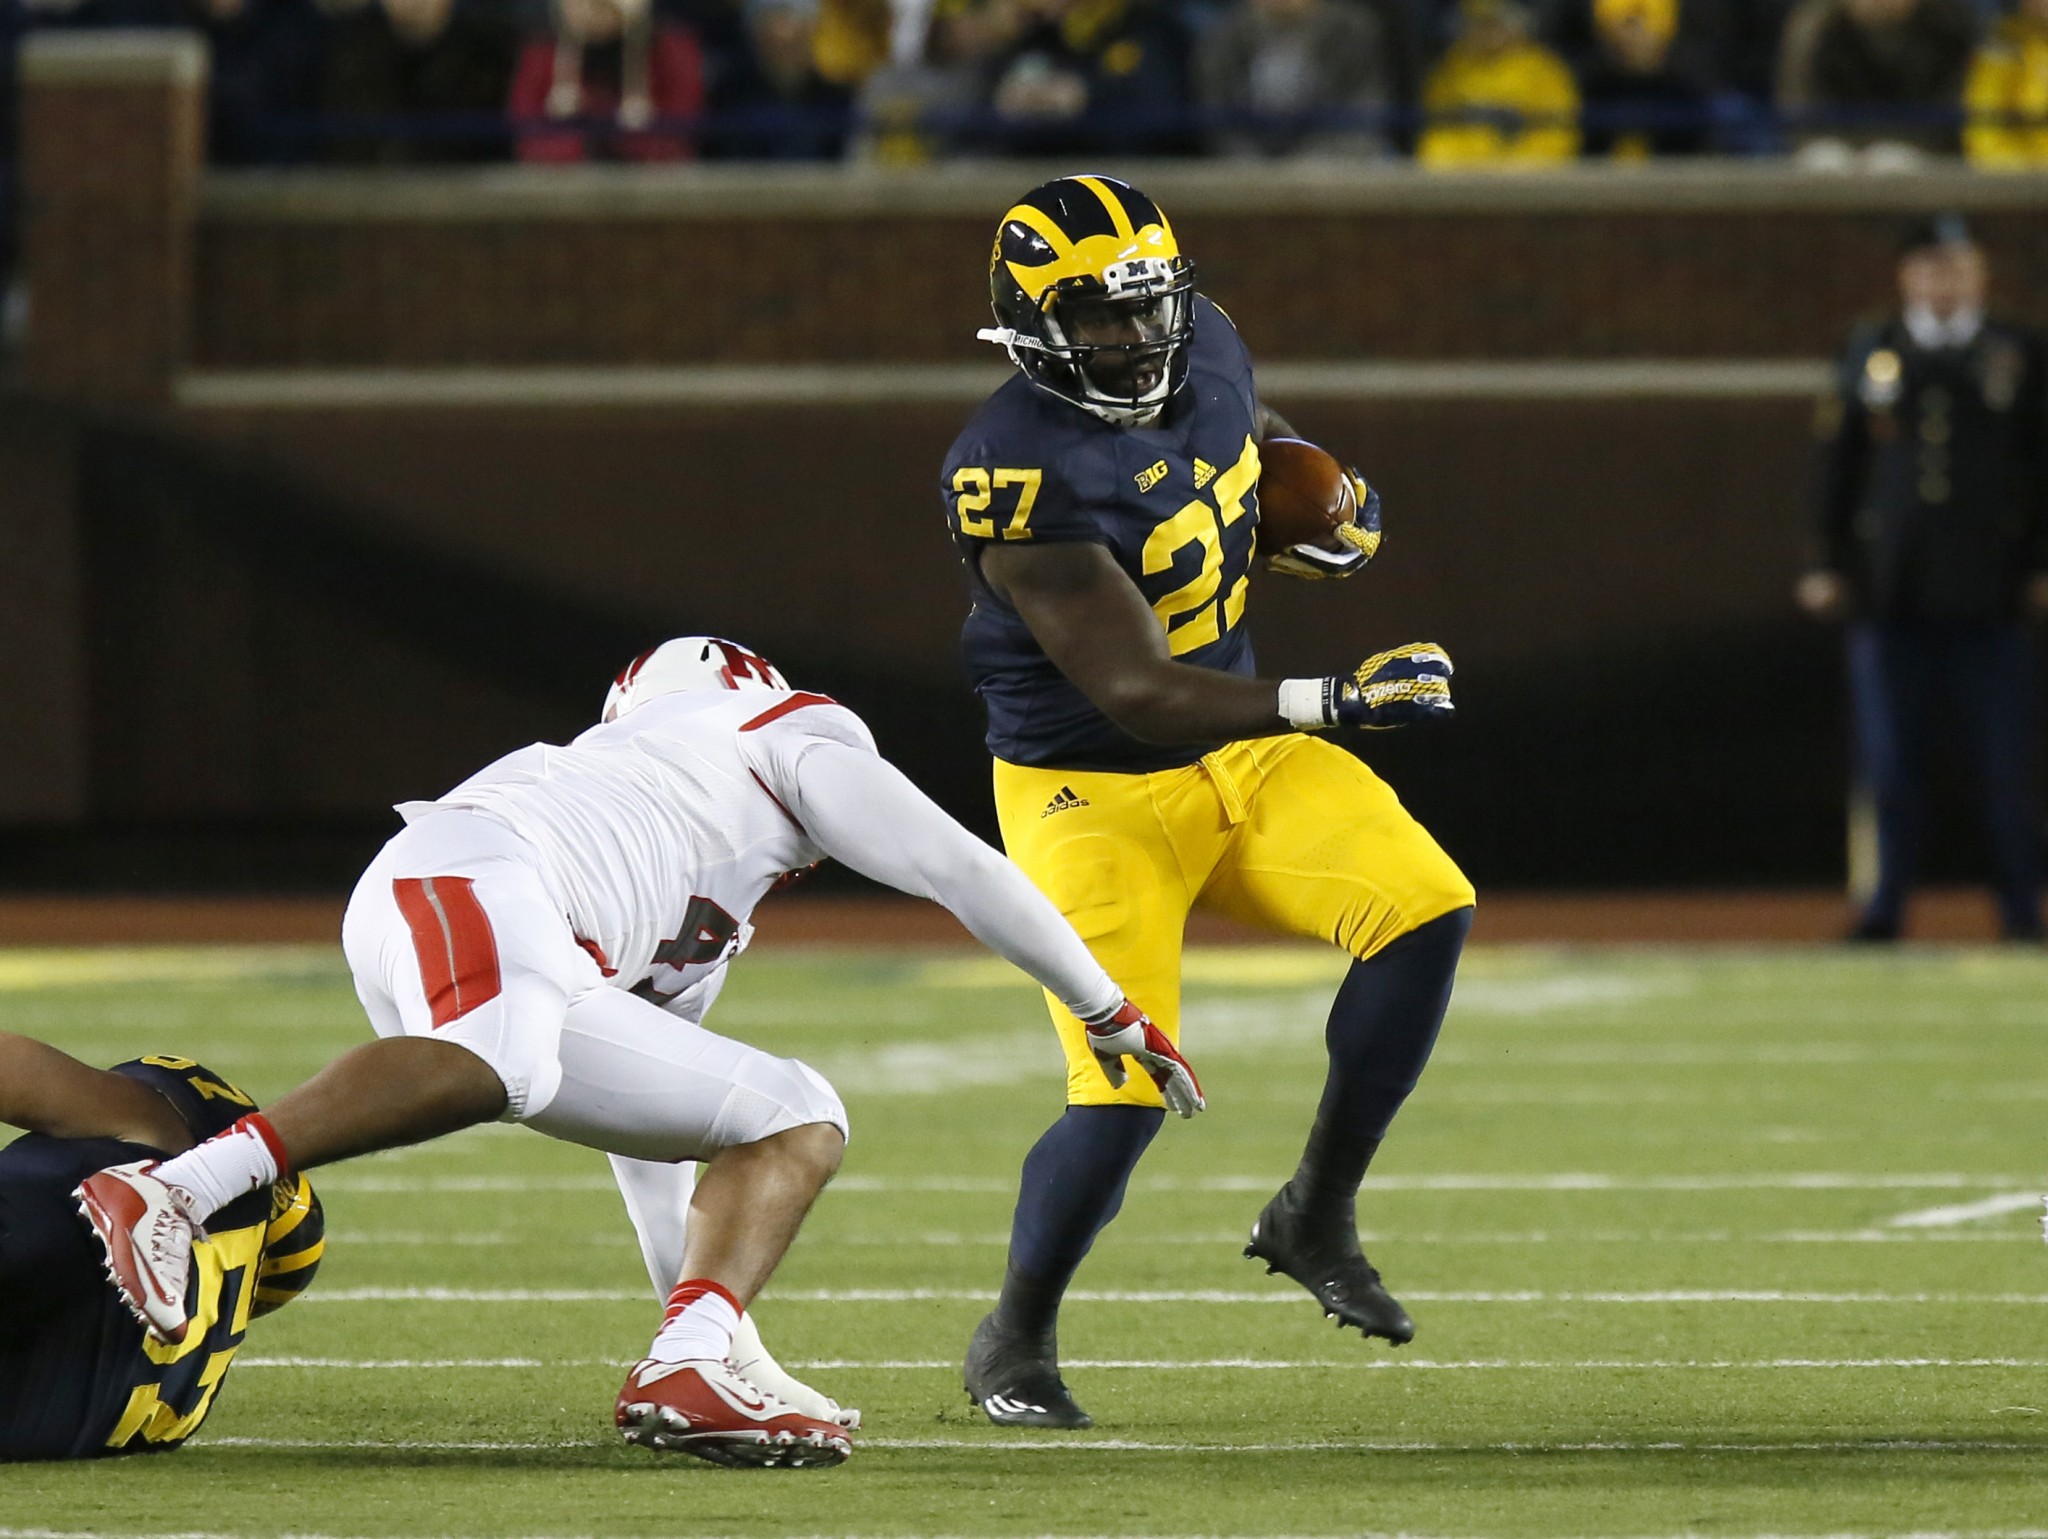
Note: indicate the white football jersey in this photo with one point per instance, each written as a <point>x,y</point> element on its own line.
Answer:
<point>659,832</point>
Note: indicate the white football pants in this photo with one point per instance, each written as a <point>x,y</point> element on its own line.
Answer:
<point>452,934</point>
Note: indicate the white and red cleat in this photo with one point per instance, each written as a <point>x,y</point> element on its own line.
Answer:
<point>148,1240</point>
<point>705,1408</point>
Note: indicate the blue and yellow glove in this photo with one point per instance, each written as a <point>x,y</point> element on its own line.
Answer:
<point>1389,689</point>
<point>1360,536</point>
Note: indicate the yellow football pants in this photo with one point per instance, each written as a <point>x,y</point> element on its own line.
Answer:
<point>1288,833</point>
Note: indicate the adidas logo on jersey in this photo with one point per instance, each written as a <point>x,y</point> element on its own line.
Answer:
<point>1066,801</point>
<point>1204,474</point>
<point>1151,475</point>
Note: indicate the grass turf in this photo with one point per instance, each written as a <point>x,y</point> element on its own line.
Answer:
<point>1717,1243</point>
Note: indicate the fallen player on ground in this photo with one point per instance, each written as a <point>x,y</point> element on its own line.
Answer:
<point>77,1378</point>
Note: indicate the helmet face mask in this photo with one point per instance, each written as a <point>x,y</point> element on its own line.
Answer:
<point>1120,352</point>
<point>1094,298</point>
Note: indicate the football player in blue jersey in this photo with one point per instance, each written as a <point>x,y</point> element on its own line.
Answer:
<point>1105,501</point>
<point>78,1376</point>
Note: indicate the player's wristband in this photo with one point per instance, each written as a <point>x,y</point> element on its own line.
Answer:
<point>1308,703</point>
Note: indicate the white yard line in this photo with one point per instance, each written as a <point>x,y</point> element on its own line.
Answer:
<point>72,1533</point>
<point>1183,1365</point>
<point>416,1185</point>
<point>1126,1445</point>
<point>1899,1237</point>
<point>1168,1296</point>
<point>1474,1365</point>
<point>1563,1182</point>
<point>997,1239</point>
<point>1058,1444</point>
<point>1426,1296</point>
<point>479,1295</point>
<point>429,1364</point>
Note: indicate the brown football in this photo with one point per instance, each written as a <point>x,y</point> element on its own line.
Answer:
<point>1303,495</point>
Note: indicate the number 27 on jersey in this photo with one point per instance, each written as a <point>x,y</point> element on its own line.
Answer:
<point>976,489</point>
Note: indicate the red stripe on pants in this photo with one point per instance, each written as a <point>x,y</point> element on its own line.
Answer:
<point>451,936</point>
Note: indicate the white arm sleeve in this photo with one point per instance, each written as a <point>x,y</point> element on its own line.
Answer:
<point>860,809</point>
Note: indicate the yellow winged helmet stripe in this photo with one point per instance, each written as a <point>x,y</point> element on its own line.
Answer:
<point>1090,256</point>
<point>290,1205</point>
<point>278,1266</point>
<point>1110,201</point>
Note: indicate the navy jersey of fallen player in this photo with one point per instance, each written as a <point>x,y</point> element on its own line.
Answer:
<point>77,1375</point>
<point>1176,504</point>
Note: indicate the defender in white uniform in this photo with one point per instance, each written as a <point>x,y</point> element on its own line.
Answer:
<point>541,944</point>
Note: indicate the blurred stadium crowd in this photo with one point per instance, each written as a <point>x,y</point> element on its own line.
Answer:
<point>1453,83</point>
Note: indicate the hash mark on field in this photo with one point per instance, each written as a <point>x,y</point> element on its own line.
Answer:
<point>1967,1212</point>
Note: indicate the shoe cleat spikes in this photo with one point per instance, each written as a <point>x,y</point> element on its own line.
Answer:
<point>1325,1259</point>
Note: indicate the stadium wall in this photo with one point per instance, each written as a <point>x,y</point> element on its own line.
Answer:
<point>389,473</point>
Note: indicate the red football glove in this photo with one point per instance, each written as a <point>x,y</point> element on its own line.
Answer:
<point>1130,1034</point>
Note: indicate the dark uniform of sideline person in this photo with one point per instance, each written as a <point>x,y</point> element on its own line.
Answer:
<point>78,1377</point>
<point>1933,532</point>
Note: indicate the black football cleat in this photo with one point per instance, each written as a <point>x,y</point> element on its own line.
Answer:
<point>1328,1262</point>
<point>1015,1379</point>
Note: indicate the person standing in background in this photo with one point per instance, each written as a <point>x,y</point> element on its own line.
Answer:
<point>1878,81</point>
<point>609,83</point>
<point>1296,77</point>
<point>1497,98</point>
<point>2007,94</point>
<point>394,58</point>
<point>771,102</point>
<point>1638,99</point>
<point>1932,514</point>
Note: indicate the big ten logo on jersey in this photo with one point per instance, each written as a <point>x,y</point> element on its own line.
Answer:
<point>1197,612</point>
<point>707,937</point>
<point>975,489</point>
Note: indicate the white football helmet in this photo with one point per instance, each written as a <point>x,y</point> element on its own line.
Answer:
<point>689,662</point>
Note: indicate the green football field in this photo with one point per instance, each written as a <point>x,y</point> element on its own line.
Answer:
<point>1699,1243</point>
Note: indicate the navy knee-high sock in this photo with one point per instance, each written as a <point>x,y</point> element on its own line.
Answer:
<point>1074,1180</point>
<point>1382,1026</point>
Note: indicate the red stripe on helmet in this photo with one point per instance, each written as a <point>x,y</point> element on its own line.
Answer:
<point>742,664</point>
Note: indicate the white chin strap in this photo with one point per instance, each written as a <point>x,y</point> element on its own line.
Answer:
<point>1138,414</point>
